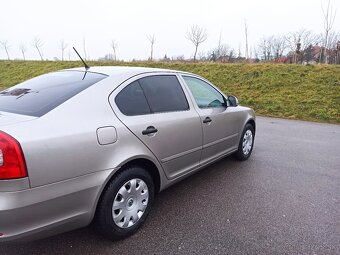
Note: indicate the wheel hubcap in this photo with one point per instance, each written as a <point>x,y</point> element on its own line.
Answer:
<point>247,142</point>
<point>130,203</point>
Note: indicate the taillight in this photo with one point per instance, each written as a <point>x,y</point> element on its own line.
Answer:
<point>12,162</point>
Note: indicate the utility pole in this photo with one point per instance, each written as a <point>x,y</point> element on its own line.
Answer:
<point>246,33</point>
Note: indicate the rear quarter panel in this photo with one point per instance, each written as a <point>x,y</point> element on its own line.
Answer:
<point>63,143</point>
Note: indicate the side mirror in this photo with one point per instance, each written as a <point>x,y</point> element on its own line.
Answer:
<point>233,101</point>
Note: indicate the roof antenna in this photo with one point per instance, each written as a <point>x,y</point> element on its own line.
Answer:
<point>86,66</point>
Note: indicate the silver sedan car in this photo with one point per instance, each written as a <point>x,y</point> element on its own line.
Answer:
<point>80,146</point>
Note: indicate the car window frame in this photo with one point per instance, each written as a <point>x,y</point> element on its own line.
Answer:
<point>112,97</point>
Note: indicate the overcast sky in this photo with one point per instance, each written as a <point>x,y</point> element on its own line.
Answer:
<point>130,21</point>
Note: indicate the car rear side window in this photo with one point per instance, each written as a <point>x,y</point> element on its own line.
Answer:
<point>42,94</point>
<point>164,93</point>
<point>131,100</point>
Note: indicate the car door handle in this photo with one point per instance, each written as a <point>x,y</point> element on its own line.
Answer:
<point>207,120</point>
<point>149,130</point>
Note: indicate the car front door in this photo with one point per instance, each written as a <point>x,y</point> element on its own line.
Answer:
<point>219,122</point>
<point>155,108</point>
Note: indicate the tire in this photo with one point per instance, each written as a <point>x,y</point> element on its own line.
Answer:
<point>125,203</point>
<point>246,144</point>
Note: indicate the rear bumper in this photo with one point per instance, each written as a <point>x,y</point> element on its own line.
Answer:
<point>50,209</point>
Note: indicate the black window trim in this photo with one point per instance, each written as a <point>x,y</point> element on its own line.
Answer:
<point>146,99</point>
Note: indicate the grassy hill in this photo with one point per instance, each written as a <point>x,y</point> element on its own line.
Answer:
<point>291,91</point>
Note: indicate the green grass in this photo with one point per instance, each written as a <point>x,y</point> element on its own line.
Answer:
<point>290,91</point>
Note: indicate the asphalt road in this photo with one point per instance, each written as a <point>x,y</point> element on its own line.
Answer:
<point>284,200</point>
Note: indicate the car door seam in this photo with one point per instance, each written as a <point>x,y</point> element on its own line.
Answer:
<point>181,154</point>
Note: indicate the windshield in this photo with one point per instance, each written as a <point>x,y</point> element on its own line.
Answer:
<point>42,94</point>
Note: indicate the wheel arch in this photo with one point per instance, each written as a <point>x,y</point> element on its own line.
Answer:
<point>148,165</point>
<point>252,122</point>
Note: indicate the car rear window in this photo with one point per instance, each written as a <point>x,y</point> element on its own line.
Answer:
<point>42,94</point>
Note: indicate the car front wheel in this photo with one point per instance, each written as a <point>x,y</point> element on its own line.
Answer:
<point>246,143</point>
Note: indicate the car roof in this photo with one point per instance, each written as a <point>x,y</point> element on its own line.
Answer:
<point>123,70</point>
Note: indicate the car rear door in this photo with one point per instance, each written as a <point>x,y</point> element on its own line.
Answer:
<point>156,110</point>
<point>221,124</point>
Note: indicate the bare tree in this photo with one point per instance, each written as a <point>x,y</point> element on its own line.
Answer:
<point>179,58</point>
<point>220,53</point>
<point>152,41</point>
<point>334,47</point>
<point>202,56</point>
<point>246,34</point>
<point>300,45</point>
<point>265,48</point>
<point>333,39</point>
<point>305,37</point>
<point>196,35</point>
<point>23,50</point>
<point>271,47</point>
<point>37,44</point>
<point>5,46</point>
<point>63,47</point>
<point>329,18</point>
<point>224,50</point>
<point>279,45</point>
<point>231,55</point>
<point>239,54</point>
<point>114,46</point>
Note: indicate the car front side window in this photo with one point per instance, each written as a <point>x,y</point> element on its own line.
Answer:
<point>205,95</point>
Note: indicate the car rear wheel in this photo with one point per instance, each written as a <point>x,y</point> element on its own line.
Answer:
<point>246,143</point>
<point>125,203</point>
